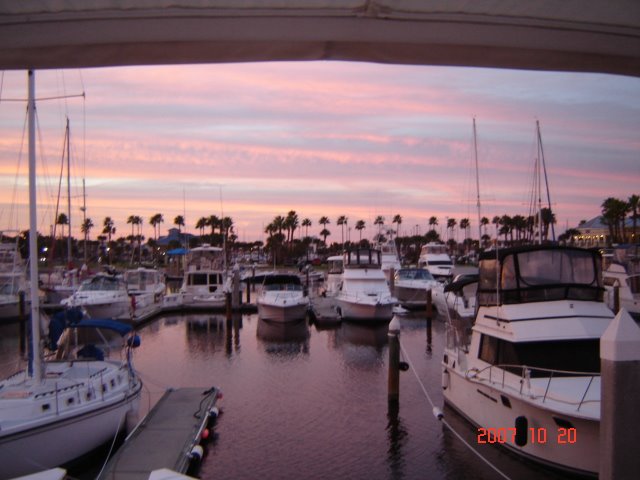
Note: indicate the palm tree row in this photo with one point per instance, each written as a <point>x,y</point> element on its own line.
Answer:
<point>615,213</point>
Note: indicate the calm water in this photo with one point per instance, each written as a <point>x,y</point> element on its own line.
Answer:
<point>306,402</point>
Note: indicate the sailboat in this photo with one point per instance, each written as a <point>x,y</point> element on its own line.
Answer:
<point>55,411</point>
<point>65,281</point>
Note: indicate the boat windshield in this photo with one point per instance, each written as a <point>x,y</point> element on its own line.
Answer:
<point>414,274</point>
<point>100,283</point>
<point>542,274</point>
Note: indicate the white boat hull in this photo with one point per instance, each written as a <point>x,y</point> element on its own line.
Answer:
<point>411,296</point>
<point>282,313</point>
<point>364,309</point>
<point>58,438</point>
<point>494,413</point>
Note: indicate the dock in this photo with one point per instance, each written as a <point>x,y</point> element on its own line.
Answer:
<point>168,437</point>
<point>323,310</point>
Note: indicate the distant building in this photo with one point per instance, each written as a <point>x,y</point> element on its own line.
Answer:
<point>175,236</point>
<point>595,233</point>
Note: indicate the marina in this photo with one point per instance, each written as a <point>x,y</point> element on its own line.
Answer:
<point>310,398</point>
<point>367,348</point>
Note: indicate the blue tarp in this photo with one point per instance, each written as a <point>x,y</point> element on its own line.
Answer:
<point>177,251</point>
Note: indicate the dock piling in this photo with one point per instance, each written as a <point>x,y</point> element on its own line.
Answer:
<point>429,319</point>
<point>394,363</point>
<point>620,389</point>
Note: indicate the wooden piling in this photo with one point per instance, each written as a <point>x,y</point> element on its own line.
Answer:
<point>620,390</point>
<point>616,298</point>
<point>429,318</point>
<point>228,305</point>
<point>393,394</point>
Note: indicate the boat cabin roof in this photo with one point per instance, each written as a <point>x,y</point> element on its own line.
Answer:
<point>539,273</point>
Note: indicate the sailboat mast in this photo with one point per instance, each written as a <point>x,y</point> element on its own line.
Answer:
<point>36,371</point>
<point>475,148</point>
<point>538,180</point>
<point>68,196</point>
<point>546,180</point>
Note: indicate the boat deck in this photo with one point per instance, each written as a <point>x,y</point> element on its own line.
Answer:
<point>166,436</point>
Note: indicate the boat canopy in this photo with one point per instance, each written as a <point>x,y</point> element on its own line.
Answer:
<point>539,273</point>
<point>73,318</point>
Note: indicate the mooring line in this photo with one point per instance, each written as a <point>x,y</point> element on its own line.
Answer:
<point>440,417</point>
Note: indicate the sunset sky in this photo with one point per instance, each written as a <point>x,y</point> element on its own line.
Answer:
<point>252,141</point>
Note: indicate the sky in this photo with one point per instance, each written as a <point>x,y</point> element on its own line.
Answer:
<point>256,140</point>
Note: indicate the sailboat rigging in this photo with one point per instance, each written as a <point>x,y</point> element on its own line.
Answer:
<point>56,411</point>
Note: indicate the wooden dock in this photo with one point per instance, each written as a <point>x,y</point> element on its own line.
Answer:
<point>166,437</point>
<point>323,310</point>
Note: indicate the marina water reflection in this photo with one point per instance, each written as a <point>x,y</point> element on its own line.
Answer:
<point>306,401</point>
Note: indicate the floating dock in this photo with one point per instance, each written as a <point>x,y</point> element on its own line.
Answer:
<point>323,310</point>
<point>168,437</point>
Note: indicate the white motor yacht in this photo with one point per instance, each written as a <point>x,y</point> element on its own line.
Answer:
<point>146,288</point>
<point>205,282</point>
<point>282,298</point>
<point>102,296</point>
<point>411,287</point>
<point>364,292</point>
<point>527,371</point>
<point>434,257</point>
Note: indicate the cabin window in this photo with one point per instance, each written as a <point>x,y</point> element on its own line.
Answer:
<point>198,279</point>
<point>565,355</point>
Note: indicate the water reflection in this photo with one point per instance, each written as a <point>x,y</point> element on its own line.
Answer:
<point>288,338</point>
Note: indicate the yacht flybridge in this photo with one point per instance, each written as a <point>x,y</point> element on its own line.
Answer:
<point>527,371</point>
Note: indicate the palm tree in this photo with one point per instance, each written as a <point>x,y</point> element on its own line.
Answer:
<point>360,225</point>
<point>291,223</point>
<point>324,221</point>
<point>634,205</point>
<point>342,221</point>
<point>548,218</point>
<point>306,223</point>
<point>614,212</point>
<point>324,234</point>
<point>464,225</point>
<point>451,225</point>
<point>201,224</point>
<point>108,229</point>
<point>179,221</point>
<point>132,220</point>
<point>155,221</point>
<point>433,222</point>
<point>62,220</point>
<point>397,219</point>
<point>213,221</point>
<point>85,228</point>
<point>484,221</point>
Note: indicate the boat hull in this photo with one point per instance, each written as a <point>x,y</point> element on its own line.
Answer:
<point>494,412</point>
<point>65,437</point>
<point>411,297</point>
<point>365,311</point>
<point>282,313</point>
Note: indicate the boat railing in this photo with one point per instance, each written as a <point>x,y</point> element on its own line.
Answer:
<point>526,375</point>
